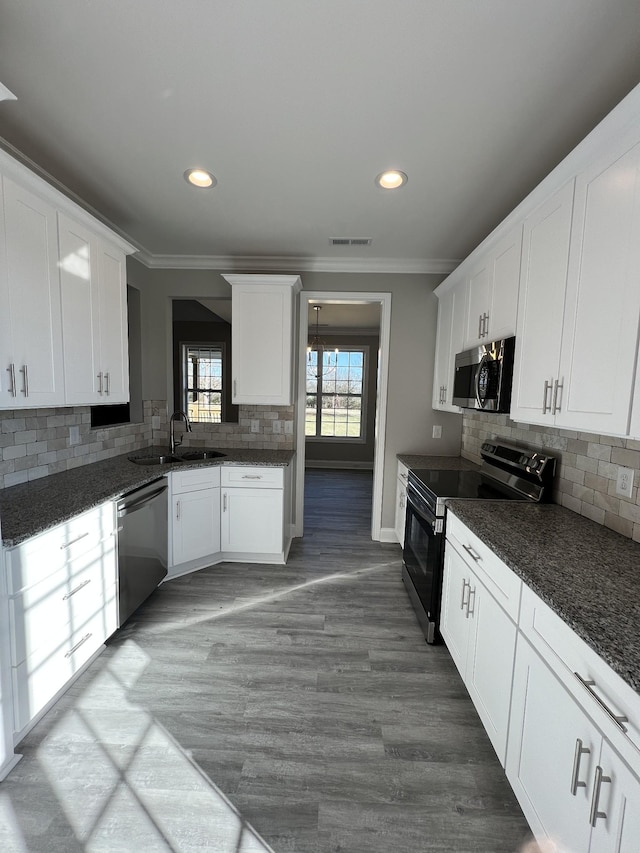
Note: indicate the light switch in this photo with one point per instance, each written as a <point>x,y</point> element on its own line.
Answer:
<point>437,431</point>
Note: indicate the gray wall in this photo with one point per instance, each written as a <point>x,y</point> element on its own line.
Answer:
<point>414,310</point>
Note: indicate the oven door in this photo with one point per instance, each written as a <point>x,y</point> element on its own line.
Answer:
<point>423,557</point>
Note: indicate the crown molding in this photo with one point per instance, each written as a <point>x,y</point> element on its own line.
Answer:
<point>286,263</point>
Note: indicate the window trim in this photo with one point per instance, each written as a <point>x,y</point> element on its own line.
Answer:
<point>184,380</point>
<point>344,439</point>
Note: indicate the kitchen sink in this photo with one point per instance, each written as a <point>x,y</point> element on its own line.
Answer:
<point>155,459</point>
<point>194,455</point>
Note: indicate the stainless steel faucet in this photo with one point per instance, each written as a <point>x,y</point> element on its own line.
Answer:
<point>176,416</point>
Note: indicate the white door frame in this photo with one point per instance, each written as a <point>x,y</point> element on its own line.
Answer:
<point>342,298</point>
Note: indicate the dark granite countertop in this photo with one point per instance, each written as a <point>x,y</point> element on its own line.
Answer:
<point>32,508</point>
<point>437,463</point>
<point>589,575</point>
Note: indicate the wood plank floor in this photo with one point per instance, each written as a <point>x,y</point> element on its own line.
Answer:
<point>255,708</point>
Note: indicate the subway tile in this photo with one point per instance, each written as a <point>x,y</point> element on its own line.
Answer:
<point>587,464</point>
<point>599,451</point>
<point>15,451</point>
<point>16,478</point>
<point>593,512</point>
<point>570,502</point>
<point>627,458</point>
<point>630,511</point>
<point>609,503</point>
<point>620,525</point>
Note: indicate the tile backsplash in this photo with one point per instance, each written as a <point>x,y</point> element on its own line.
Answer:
<point>37,442</point>
<point>588,466</point>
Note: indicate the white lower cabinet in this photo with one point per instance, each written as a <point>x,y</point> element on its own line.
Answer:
<point>253,514</point>
<point>62,604</point>
<point>480,601</point>
<point>572,786</point>
<point>195,510</point>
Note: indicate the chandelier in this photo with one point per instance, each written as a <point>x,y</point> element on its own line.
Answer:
<point>318,346</point>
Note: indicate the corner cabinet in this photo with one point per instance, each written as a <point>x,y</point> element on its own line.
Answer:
<point>262,343</point>
<point>63,321</point>
<point>195,513</point>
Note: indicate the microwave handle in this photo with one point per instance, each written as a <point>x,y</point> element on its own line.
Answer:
<point>481,403</point>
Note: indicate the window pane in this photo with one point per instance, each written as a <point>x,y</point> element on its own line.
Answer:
<point>338,376</point>
<point>203,378</point>
<point>310,415</point>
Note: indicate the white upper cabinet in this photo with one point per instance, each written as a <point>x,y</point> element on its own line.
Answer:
<point>580,301</point>
<point>262,341</point>
<point>543,280</point>
<point>63,321</point>
<point>602,306</point>
<point>449,341</point>
<point>31,373</point>
<point>94,317</point>
<point>492,287</point>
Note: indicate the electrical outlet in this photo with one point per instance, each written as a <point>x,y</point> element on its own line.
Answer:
<point>74,435</point>
<point>288,427</point>
<point>255,426</point>
<point>437,431</point>
<point>155,421</point>
<point>277,427</point>
<point>624,482</point>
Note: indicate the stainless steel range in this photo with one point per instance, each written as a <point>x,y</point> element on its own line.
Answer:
<point>506,473</point>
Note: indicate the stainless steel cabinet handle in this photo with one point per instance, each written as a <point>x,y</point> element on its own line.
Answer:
<point>107,381</point>
<point>77,589</point>
<point>594,814</point>
<point>476,557</point>
<point>580,751</point>
<point>100,383</point>
<point>588,684</point>
<point>463,599</point>
<point>224,502</point>
<point>25,372</point>
<point>547,385</point>
<point>178,510</point>
<point>480,318</point>
<point>252,476</point>
<point>471,603</point>
<point>78,644</point>
<point>73,541</point>
<point>235,387</point>
<point>12,374</point>
<point>557,386</point>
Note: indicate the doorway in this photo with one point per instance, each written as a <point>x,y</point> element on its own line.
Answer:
<point>336,299</point>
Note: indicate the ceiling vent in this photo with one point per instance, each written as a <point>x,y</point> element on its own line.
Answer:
<point>346,241</point>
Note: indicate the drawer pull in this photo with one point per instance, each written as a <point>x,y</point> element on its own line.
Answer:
<point>73,541</point>
<point>618,719</point>
<point>463,600</point>
<point>577,756</point>
<point>12,374</point>
<point>252,476</point>
<point>78,644</point>
<point>595,800</point>
<point>77,589</point>
<point>471,602</point>
<point>476,557</point>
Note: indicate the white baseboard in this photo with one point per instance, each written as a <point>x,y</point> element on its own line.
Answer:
<point>388,534</point>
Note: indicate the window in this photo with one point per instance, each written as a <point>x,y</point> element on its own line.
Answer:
<point>202,376</point>
<point>336,379</point>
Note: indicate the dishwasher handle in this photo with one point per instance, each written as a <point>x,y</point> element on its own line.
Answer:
<point>125,508</point>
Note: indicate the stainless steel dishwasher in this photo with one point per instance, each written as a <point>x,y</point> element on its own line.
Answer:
<point>142,545</point>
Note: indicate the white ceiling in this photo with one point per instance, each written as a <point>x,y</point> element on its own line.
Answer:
<point>296,105</point>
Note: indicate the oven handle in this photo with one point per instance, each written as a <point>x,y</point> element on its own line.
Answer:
<point>422,512</point>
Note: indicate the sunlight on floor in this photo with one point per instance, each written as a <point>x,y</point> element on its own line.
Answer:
<point>124,783</point>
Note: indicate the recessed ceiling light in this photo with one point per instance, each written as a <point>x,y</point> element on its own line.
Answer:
<point>391,179</point>
<point>200,178</point>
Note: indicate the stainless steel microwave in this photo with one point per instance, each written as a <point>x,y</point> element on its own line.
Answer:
<point>483,377</point>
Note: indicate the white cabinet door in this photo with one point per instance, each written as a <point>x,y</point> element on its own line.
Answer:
<point>80,311</point>
<point>262,341</point>
<point>552,754</point>
<point>454,621</point>
<point>617,824</point>
<point>543,280</point>
<point>252,520</point>
<point>602,308</point>
<point>449,341</point>
<point>492,287</point>
<point>114,339</point>
<point>196,525</point>
<point>31,298</point>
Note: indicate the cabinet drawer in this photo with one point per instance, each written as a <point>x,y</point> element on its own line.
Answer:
<point>45,554</point>
<point>502,583</point>
<point>47,612</point>
<point>37,679</point>
<point>253,477</point>
<point>196,478</point>
<point>576,663</point>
